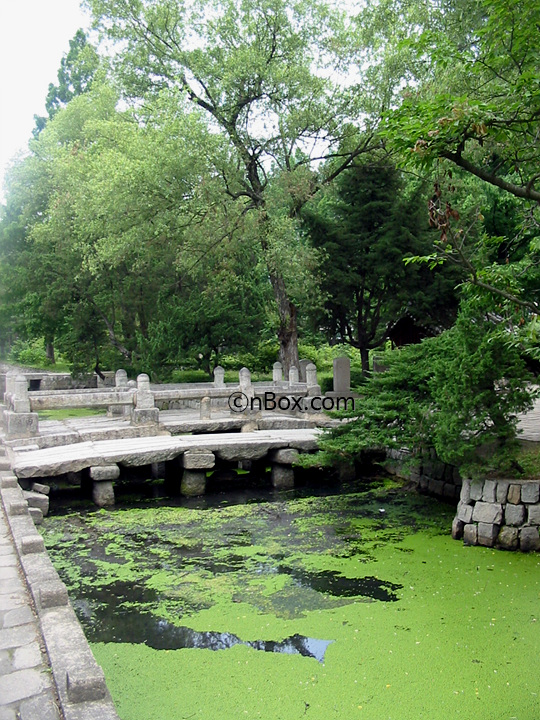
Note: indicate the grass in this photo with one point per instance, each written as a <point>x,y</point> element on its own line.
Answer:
<point>529,459</point>
<point>66,413</point>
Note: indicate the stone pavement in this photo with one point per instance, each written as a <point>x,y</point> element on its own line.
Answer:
<point>529,424</point>
<point>26,686</point>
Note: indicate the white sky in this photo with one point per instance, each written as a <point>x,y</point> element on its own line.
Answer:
<point>34,34</point>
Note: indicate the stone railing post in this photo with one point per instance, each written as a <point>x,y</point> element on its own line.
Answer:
<point>21,401</point>
<point>294,377</point>
<point>244,377</point>
<point>219,377</point>
<point>121,379</point>
<point>247,389</point>
<point>277,372</point>
<point>144,412</point>
<point>313,387</point>
<point>20,421</point>
<point>120,383</point>
<point>205,410</point>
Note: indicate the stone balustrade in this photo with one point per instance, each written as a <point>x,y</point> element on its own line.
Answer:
<point>140,402</point>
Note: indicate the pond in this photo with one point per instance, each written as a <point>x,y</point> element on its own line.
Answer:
<point>350,603</point>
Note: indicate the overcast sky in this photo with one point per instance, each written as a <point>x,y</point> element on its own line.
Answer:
<point>34,34</point>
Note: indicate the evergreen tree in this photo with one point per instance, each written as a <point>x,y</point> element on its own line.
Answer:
<point>366,230</point>
<point>75,75</point>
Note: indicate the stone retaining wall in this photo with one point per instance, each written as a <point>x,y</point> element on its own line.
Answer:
<point>499,513</point>
<point>79,680</point>
<point>430,475</point>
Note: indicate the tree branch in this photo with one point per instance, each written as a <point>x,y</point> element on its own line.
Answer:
<point>527,192</point>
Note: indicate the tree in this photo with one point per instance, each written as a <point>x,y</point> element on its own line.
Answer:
<point>467,112</point>
<point>129,237</point>
<point>485,117</point>
<point>366,228</point>
<point>458,393</point>
<point>77,71</point>
<point>258,71</point>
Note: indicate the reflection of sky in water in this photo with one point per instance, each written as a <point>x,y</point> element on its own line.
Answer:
<point>105,623</point>
<point>294,645</point>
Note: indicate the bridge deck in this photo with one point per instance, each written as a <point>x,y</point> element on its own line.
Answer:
<point>159,448</point>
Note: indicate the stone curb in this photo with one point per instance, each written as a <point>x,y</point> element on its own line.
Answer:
<point>79,680</point>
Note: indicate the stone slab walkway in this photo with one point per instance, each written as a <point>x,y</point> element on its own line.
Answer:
<point>26,687</point>
<point>146,450</point>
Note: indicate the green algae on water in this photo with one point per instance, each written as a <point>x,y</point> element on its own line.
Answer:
<point>457,638</point>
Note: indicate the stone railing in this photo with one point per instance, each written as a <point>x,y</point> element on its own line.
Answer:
<point>170,397</point>
<point>139,402</point>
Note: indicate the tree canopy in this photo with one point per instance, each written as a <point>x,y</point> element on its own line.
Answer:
<point>219,170</point>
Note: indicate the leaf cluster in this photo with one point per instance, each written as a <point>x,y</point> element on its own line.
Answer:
<point>458,393</point>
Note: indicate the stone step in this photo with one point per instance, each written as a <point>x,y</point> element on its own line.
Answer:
<point>37,500</point>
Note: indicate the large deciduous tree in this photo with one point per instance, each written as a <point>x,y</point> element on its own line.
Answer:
<point>260,73</point>
<point>97,237</point>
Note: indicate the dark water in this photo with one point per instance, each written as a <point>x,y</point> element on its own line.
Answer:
<point>108,623</point>
<point>339,586</point>
<point>92,547</point>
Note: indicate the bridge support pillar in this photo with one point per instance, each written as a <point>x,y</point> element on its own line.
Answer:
<point>282,477</point>
<point>102,487</point>
<point>195,464</point>
<point>282,471</point>
<point>193,483</point>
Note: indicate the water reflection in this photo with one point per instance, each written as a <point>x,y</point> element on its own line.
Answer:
<point>295,645</point>
<point>105,624</point>
<point>338,585</point>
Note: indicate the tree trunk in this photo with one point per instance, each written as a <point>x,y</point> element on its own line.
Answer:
<point>288,343</point>
<point>364,356</point>
<point>288,327</point>
<point>49,350</point>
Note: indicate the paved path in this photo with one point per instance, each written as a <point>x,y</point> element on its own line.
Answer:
<point>26,688</point>
<point>529,424</point>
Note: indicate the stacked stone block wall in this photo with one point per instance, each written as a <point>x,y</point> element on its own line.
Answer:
<point>430,475</point>
<point>499,513</point>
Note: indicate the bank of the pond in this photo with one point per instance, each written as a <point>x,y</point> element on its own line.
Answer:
<point>420,626</point>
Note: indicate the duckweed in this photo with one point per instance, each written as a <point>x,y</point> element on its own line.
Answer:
<point>421,626</point>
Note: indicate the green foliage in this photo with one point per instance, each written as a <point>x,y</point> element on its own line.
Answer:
<point>29,353</point>
<point>479,109</point>
<point>528,460</point>
<point>323,354</point>
<point>190,376</point>
<point>457,393</point>
<point>366,229</point>
<point>259,360</point>
<point>77,71</point>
